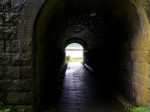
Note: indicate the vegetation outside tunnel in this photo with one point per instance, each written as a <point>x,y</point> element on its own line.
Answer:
<point>74,53</point>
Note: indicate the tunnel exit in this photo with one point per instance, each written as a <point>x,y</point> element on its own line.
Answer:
<point>74,53</point>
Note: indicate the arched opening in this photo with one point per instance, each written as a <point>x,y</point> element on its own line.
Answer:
<point>74,53</point>
<point>114,35</point>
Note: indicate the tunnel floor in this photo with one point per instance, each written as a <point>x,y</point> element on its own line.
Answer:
<point>83,92</point>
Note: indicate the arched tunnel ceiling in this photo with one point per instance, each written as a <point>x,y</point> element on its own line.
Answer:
<point>113,31</point>
<point>94,21</point>
<point>76,40</point>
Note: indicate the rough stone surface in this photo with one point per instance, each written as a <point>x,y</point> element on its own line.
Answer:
<point>2,46</point>
<point>149,70</point>
<point>21,85</point>
<point>21,59</point>
<point>12,78</point>
<point>19,98</point>
<point>26,73</point>
<point>12,72</point>
<point>2,73</point>
<point>12,46</point>
<point>16,85</point>
<point>5,85</point>
<point>5,58</point>
<point>2,97</point>
<point>149,83</point>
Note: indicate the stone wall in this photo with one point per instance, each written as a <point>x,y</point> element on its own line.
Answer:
<point>140,57</point>
<point>15,62</point>
<point>135,57</point>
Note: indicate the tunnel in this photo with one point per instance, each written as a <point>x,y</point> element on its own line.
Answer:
<point>114,35</point>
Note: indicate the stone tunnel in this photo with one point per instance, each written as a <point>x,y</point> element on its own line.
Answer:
<point>115,35</point>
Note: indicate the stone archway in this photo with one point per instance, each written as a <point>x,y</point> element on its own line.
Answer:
<point>77,40</point>
<point>134,51</point>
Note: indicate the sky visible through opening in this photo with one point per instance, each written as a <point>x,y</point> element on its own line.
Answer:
<point>74,52</point>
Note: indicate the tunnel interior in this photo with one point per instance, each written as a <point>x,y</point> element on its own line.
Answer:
<point>108,31</point>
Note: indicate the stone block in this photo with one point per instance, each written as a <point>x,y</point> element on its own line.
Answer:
<point>149,96</point>
<point>1,46</point>
<point>148,70</point>
<point>2,19</point>
<point>140,68</point>
<point>1,7</point>
<point>21,85</point>
<point>140,56</point>
<point>12,72</point>
<point>141,43</point>
<point>5,58</point>
<point>17,5</point>
<point>25,45</point>
<point>10,36</point>
<point>2,35</point>
<point>139,79</point>
<point>11,29</point>
<point>140,100</point>
<point>5,85</point>
<point>16,85</point>
<point>142,94</point>
<point>21,59</point>
<point>7,5</point>
<point>25,72</point>
<point>3,28</point>
<point>12,46</point>
<point>16,98</point>
<point>2,72</point>
<point>148,82</point>
<point>7,32</point>
<point>11,19</point>
<point>2,97</point>
<point>11,16</point>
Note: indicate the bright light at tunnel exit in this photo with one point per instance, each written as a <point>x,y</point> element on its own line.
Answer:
<point>74,53</point>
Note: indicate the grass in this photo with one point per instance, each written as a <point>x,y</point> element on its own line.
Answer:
<point>9,110</point>
<point>73,59</point>
<point>136,109</point>
<point>3,108</point>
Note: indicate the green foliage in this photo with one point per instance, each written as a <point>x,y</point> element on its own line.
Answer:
<point>9,110</point>
<point>21,110</point>
<point>136,109</point>
<point>67,58</point>
<point>139,109</point>
<point>52,110</point>
<point>74,59</point>
<point>5,110</point>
